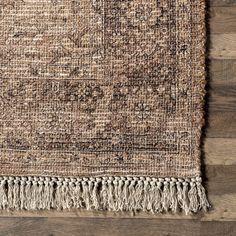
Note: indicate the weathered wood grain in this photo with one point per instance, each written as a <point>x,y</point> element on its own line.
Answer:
<point>221,125</point>
<point>220,151</point>
<point>108,227</point>
<point>221,99</point>
<point>222,20</point>
<point>96,227</point>
<point>222,70</point>
<point>215,229</point>
<point>222,3</point>
<point>222,96</point>
<point>221,179</point>
<point>223,46</point>
<point>223,208</point>
<point>221,87</point>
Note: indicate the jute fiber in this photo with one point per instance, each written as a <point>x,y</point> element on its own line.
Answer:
<point>101,104</point>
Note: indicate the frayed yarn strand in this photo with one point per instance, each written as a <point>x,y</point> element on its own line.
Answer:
<point>3,194</point>
<point>203,202</point>
<point>103,193</point>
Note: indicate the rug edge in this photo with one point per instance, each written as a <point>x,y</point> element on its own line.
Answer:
<point>126,193</point>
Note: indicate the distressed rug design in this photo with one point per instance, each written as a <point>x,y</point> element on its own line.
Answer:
<point>101,104</point>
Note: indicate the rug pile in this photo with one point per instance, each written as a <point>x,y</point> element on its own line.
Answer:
<point>101,104</point>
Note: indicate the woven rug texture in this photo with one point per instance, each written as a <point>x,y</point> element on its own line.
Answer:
<point>101,104</point>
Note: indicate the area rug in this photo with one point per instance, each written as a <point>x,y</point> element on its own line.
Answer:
<point>101,104</point>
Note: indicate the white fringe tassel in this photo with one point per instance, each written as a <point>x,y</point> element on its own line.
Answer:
<point>103,193</point>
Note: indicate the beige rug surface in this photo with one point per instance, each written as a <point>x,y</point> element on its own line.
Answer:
<point>101,104</point>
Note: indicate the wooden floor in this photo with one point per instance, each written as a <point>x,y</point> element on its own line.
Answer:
<point>219,147</point>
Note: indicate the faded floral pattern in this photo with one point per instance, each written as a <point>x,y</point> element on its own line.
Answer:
<point>97,87</point>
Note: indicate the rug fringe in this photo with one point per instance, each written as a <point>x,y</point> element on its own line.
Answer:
<point>103,193</point>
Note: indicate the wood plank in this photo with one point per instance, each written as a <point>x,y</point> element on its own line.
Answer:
<point>221,87</point>
<point>221,125</point>
<point>222,96</point>
<point>220,151</point>
<point>222,3</point>
<point>221,99</point>
<point>222,70</point>
<point>223,46</point>
<point>108,227</point>
<point>221,179</point>
<point>214,229</point>
<point>223,208</point>
<point>98,227</point>
<point>222,20</point>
